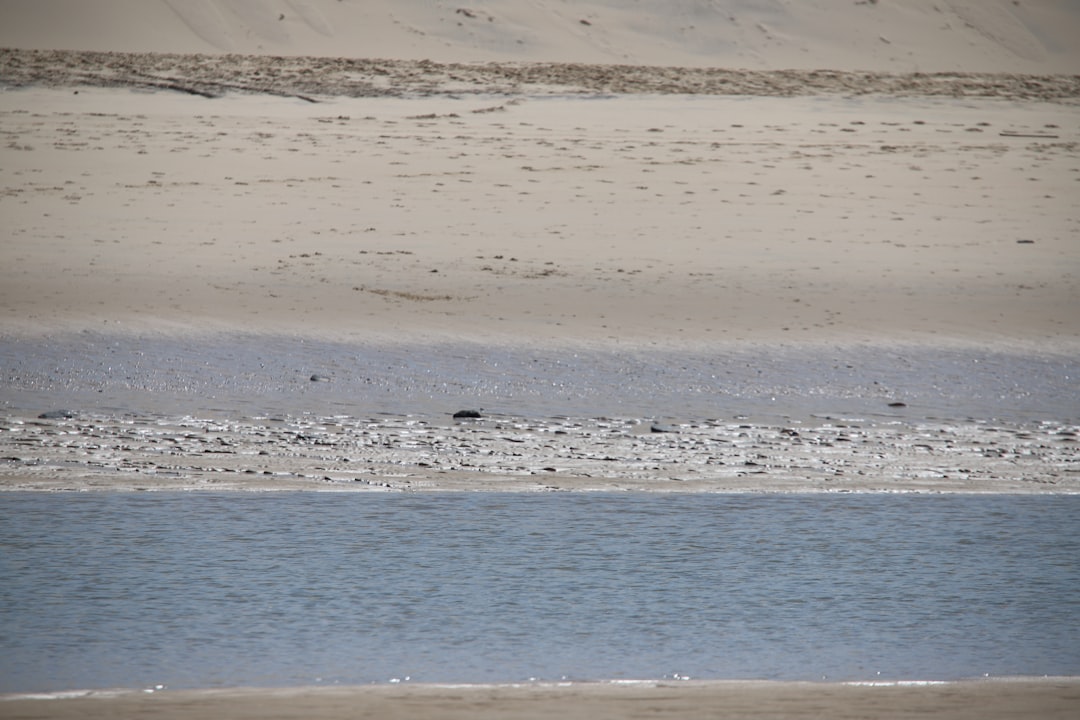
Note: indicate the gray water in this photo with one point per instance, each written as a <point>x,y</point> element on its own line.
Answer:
<point>207,590</point>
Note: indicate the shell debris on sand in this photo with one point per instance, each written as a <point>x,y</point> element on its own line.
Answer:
<point>518,454</point>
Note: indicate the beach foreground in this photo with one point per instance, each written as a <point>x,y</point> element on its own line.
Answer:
<point>868,286</point>
<point>1047,698</point>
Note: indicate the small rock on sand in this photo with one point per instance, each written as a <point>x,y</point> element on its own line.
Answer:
<point>57,415</point>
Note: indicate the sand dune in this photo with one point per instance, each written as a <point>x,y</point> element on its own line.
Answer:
<point>1032,36</point>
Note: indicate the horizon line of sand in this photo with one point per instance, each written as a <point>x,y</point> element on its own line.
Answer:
<point>983,699</point>
<point>307,77</point>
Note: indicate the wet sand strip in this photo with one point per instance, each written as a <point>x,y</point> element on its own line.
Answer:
<point>1045,698</point>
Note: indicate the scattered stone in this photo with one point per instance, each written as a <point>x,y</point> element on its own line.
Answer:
<point>467,414</point>
<point>662,428</point>
<point>295,452</point>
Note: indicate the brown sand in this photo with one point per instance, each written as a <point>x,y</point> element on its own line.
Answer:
<point>978,700</point>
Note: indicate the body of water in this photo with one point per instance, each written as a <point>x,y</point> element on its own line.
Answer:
<point>213,590</point>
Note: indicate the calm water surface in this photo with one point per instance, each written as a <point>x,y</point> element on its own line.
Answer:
<point>204,590</point>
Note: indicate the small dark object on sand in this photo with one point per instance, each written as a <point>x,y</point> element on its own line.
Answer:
<point>897,404</point>
<point>319,378</point>
<point>57,415</point>
<point>460,414</point>
<point>662,428</point>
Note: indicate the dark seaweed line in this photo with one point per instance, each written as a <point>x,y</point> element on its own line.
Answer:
<point>305,77</point>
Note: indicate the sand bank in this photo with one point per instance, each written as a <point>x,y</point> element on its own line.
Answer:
<point>641,219</point>
<point>982,700</point>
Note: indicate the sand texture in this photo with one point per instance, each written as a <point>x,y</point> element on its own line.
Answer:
<point>636,218</point>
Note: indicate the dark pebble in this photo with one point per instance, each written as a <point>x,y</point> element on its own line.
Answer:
<point>57,415</point>
<point>460,414</point>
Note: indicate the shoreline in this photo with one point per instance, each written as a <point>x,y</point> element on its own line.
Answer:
<point>987,699</point>
<point>528,455</point>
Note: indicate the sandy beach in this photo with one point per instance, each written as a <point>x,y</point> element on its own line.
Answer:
<point>827,247</point>
<point>638,219</point>
<point>540,251</point>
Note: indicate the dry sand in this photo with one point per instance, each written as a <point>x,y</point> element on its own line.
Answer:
<point>1047,699</point>
<point>639,218</point>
